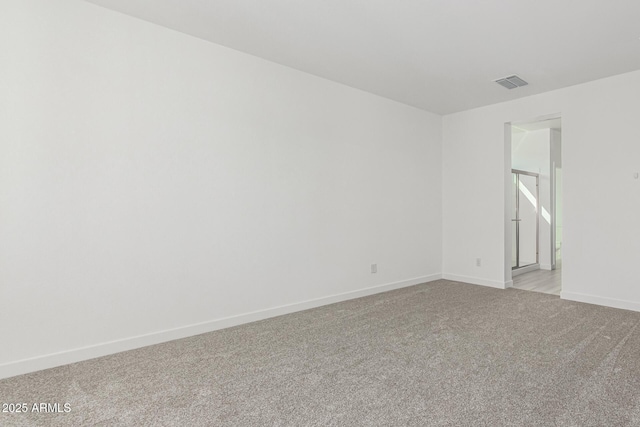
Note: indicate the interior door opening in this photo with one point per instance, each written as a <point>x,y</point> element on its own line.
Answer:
<point>533,210</point>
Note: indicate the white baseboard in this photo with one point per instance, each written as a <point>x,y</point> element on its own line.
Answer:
<point>477,281</point>
<point>545,267</point>
<point>85,353</point>
<point>605,301</point>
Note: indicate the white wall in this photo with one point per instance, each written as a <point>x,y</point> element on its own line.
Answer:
<point>600,154</point>
<point>152,184</point>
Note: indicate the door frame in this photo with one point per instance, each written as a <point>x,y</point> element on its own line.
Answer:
<point>507,244</point>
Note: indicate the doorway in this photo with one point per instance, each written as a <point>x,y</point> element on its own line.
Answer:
<point>533,209</point>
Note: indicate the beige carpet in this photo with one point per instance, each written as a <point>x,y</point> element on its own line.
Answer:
<point>442,353</point>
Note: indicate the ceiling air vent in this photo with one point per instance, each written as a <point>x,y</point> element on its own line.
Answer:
<point>511,82</point>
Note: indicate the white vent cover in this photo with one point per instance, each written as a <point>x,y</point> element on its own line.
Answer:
<point>511,82</point>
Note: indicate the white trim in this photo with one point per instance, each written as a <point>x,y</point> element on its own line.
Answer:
<point>508,284</point>
<point>605,301</point>
<point>79,354</point>
<point>526,269</point>
<point>542,118</point>
<point>508,203</point>
<point>545,267</point>
<point>477,281</point>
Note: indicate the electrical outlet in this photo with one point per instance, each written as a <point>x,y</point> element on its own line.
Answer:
<point>478,262</point>
<point>374,268</point>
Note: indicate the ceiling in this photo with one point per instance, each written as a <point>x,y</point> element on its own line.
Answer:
<point>438,55</point>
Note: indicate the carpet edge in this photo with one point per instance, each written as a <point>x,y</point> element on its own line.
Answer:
<point>52,360</point>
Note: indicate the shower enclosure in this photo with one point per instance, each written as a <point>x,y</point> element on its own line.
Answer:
<point>525,220</point>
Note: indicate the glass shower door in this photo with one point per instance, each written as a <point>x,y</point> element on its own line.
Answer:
<point>514,220</point>
<point>525,219</point>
